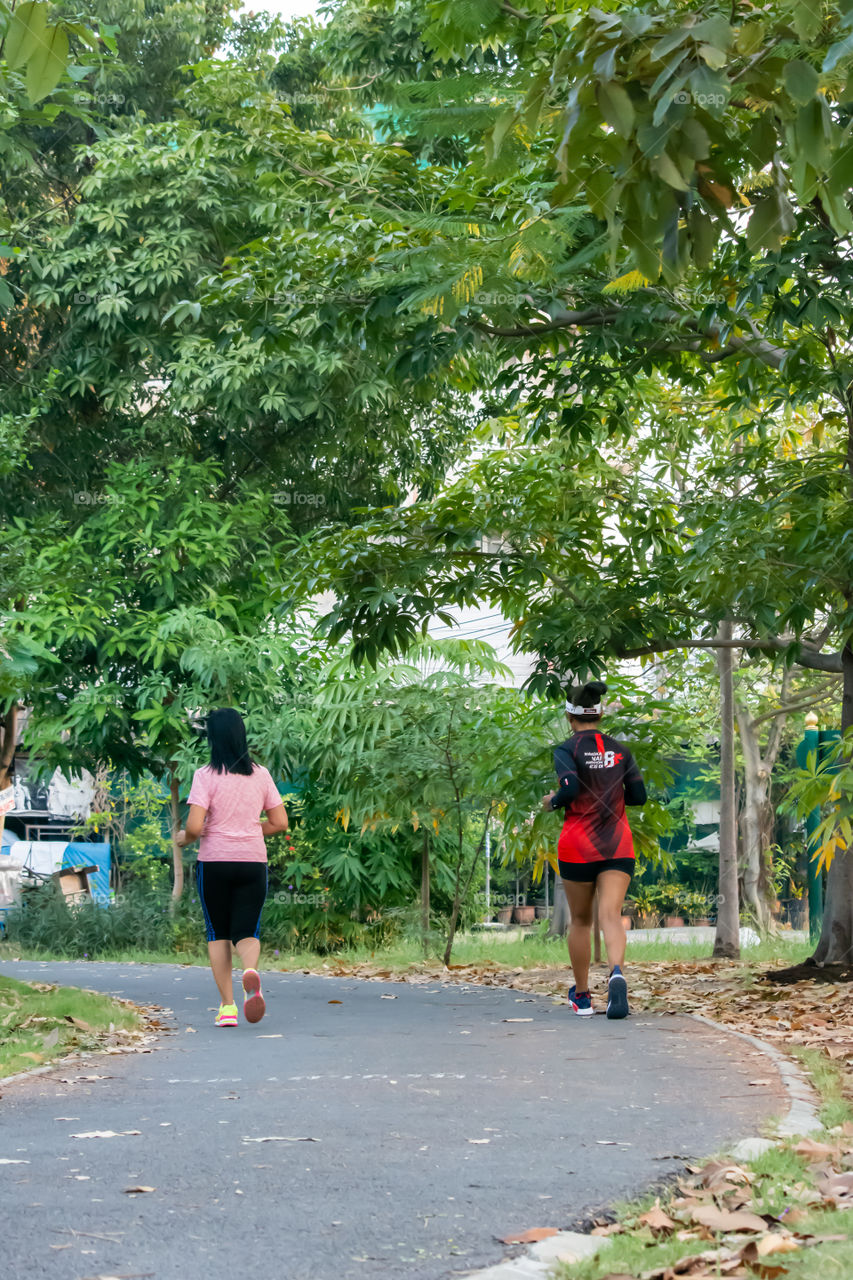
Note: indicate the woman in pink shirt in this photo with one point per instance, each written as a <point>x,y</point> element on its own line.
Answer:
<point>226,800</point>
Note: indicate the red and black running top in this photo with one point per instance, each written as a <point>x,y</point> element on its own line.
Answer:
<point>598,777</point>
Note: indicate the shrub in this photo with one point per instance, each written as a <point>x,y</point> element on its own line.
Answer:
<point>139,920</point>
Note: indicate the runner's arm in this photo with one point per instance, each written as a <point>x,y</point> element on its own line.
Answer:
<point>276,820</point>
<point>635,788</point>
<point>567,774</point>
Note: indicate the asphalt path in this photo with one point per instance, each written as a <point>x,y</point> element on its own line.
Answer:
<point>442,1117</point>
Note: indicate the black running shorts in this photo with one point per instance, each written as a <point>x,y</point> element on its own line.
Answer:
<point>232,896</point>
<point>588,872</point>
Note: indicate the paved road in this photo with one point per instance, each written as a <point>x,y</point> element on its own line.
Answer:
<point>439,1124</point>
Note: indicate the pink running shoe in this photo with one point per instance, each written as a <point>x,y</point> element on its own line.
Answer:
<point>254,1005</point>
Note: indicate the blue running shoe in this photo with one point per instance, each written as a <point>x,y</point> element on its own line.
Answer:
<point>580,1004</point>
<point>617,995</point>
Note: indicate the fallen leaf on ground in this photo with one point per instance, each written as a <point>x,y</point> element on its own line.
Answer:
<point>79,1023</point>
<point>5,1161</point>
<point>108,1133</point>
<point>274,1138</point>
<point>386,997</point>
<point>51,1038</point>
<point>816,1151</point>
<point>711,1263</point>
<point>531,1236</point>
<point>657,1220</point>
<point>708,1215</point>
<point>479,1141</point>
<point>135,1191</point>
<point>837,1189</point>
<point>769,1244</point>
<point>517,1019</point>
<point>718,1171</point>
<point>334,1002</point>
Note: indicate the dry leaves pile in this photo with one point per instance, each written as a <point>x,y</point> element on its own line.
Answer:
<point>716,1203</point>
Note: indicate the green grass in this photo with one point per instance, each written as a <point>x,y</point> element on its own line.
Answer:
<point>828,1078</point>
<point>35,1024</point>
<point>535,950</point>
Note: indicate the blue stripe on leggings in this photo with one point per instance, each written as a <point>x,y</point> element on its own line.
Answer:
<point>257,932</point>
<point>199,876</point>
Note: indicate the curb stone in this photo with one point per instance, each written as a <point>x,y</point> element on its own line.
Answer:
<point>565,1246</point>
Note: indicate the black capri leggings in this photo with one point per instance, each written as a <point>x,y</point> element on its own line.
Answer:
<point>232,896</point>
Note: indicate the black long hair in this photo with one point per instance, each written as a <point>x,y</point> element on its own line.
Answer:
<point>226,736</point>
<point>587,695</point>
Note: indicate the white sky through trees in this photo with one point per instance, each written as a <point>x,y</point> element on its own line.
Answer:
<point>287,8</point>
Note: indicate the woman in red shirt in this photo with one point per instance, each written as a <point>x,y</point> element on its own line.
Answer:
<point>226,800</point>
<point>598,777</point>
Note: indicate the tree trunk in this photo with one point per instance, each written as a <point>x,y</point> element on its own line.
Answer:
<point>727,940</point>
<point>177,852</point>
<point>7,752</point>
<point>460,889</point>
<point>559,926</point>
<point>425,894</point>
<point>835,945</point>
<point>755,779</point>
<point>757,815</point>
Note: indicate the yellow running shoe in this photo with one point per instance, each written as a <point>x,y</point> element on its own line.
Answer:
<point>254,1005</point>
<point>227,1016</point>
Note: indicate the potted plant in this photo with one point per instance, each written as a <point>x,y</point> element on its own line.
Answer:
<point>669,899</point>
<point>645,908</point>
<point>524,915</point>
<point>504,915</point>
<point>696,905</point>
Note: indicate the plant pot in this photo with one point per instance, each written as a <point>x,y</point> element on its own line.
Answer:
<point>627,923</point>
<point>524,915</point>
<point>673,922</point>
<point>504,915</point>
<point>647,922</point>
<point>543,912</point>
<point>702,922</point>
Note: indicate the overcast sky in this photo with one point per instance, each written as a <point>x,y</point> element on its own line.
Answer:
<point>288,8</point>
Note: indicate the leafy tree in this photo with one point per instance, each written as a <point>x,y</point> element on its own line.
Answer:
<point>151,611</point>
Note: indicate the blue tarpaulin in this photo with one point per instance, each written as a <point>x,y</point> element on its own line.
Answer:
<point>85,854</point>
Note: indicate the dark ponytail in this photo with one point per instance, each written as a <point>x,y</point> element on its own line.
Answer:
<point>586,696</point>
<point>226,736</point>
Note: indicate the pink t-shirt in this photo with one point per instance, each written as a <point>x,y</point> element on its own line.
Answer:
<point>232,828</point>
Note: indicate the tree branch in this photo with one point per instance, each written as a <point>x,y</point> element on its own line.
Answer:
<point>790,708</point>
<point>808,658</point>
<point>595,317</point>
